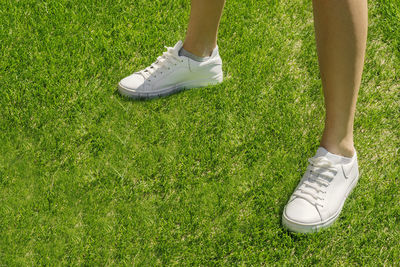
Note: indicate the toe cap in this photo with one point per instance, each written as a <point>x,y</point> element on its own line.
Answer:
<point>302,211</point>
<point>132,82</point>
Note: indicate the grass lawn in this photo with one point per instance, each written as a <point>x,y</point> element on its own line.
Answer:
<point>88,177</point>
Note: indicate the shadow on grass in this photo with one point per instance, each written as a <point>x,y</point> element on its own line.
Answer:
<point>146,99</point>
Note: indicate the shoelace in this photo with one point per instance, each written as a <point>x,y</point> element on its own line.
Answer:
<point>169,58</point>
<point>320,173</point>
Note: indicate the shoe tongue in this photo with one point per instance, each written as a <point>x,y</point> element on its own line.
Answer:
<point>322,152</point>
<point>178,45</point>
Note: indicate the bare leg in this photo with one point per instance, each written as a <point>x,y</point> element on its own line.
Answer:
<point>201,37</point>
<point>341,32</point>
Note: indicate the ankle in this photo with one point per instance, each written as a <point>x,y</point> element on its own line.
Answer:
<point>342,145</point>
<point>198,49</point>
<point>345,149</point>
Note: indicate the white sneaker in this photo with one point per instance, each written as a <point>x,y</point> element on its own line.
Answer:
<point>318,199</point>
<point>172,73</point>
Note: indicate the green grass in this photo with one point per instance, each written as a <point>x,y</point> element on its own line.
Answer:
<point>198,178</point>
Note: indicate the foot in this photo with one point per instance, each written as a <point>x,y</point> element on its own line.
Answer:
<point>318,199</point>
<point>172,73</point>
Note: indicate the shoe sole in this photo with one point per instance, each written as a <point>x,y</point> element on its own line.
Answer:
<point>312,228</point>
<point>170,90</point>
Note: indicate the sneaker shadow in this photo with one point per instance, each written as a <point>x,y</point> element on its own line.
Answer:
<point>145,99</point>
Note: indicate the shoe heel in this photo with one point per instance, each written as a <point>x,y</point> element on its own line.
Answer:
<point>204,82</point>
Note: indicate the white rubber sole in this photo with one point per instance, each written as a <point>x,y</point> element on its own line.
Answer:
<point>170,90</point>
<point>312,228</point>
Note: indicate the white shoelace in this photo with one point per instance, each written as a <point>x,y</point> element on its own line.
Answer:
<point>168,59</point>
<point>320,173</point>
